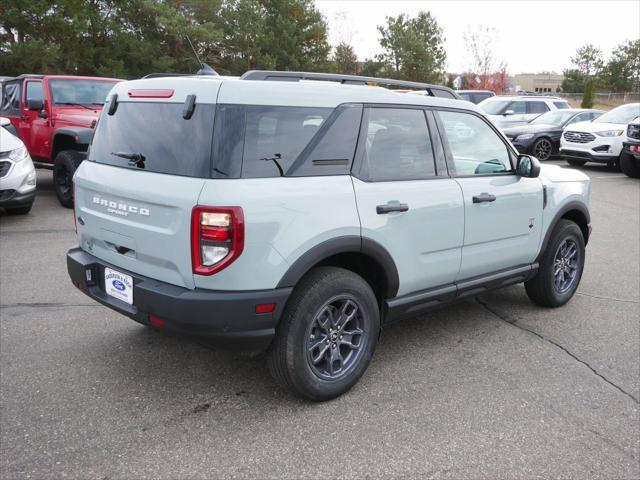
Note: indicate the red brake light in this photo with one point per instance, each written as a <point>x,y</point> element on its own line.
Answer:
<point>217,238</point>
<point>150,93</point>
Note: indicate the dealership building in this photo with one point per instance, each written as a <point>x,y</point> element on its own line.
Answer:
<point>537,82</point>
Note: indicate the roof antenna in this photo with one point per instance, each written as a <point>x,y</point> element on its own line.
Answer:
<point>204,68</point>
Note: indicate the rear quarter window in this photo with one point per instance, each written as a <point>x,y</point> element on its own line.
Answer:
<point>169,143</point>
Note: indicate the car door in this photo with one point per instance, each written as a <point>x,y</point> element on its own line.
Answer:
<point>406,201</point>
<point>503,211</point>
<point>535,108</point>
<point>33,127</point>
<point>515,114</point>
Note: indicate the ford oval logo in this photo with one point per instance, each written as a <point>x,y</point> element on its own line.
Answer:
<point>118,285</point>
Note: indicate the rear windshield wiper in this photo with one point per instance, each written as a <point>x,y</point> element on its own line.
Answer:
<point>135,159</point>
<point>75,105</point>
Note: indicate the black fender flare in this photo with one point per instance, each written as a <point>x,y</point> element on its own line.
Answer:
<point>574,205</point>
<point>344,244</point>
<point>80,135</point>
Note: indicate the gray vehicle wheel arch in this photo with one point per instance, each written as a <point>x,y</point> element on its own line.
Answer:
<point>574,211</point>
<point>362,255</point>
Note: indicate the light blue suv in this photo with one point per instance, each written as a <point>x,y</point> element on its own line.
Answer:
<point>298,217</point>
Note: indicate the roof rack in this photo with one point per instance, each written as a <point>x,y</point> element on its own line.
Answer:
<point>274,75</point>
<point>160,75</point>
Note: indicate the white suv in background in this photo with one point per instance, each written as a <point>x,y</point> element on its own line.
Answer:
<point>17,174</point>
<point>599,140</point>
<point>509,111</point>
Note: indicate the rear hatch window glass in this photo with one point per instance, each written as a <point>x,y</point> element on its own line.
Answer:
<point>155,137</point>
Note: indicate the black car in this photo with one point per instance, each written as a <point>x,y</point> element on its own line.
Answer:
<point>475,96</point>
<point>541,136</point>
<point>630,159</point>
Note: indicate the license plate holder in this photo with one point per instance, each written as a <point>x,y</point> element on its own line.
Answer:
<point>118,285</point>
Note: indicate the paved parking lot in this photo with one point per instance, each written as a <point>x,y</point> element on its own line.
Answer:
<point>490,388</point>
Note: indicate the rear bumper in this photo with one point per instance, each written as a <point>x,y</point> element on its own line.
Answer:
<point>226,318</point>
<point>587,156</point>
<point>15,199</point>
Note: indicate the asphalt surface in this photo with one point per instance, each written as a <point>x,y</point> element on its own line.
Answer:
<point>489,388</point>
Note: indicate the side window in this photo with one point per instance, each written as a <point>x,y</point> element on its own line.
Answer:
<point>11,95</point>
<point>583,117</point>
<point>34,91</point>
<point>518,107</point>
<point>397,145</point>
<point>275,136</point>
<point>561,105</point>
<point>476,148</point>
<point>537,107</point>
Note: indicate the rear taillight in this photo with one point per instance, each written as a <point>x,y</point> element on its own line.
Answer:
<point>217,238</point>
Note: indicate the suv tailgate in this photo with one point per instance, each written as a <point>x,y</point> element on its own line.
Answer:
<point>139,221</point>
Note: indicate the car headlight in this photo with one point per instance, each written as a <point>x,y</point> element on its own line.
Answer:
<point>19,154</point>
<point>524,136</point>
<point>610,133</point>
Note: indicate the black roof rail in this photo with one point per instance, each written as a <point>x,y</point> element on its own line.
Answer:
<point>274,75</point>
<point>160,75</point>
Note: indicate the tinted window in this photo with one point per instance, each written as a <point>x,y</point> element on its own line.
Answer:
<point>442,93</point>
<point>476,148</point>
<point>537,107</point>
<point>275,136</point>
<point>478,97</point>
<point>11,92</point>
<point>169,143</point>
<point>397,145</point>
<point>561,105</point>
<point>34,91</point>
<point>466,96</point>
<point>331,151</point>
<point>518,107</point>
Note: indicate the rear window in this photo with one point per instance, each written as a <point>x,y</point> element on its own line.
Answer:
<point>159,133</point>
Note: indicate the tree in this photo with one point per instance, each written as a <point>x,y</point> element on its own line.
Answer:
<point>588,59</point>
<point>412,47</point>
<point>589,92</point>
<point>486,70</point>
<point>372,68</point>
<point>573,81</point>
<point>345,60</point>
<point>622,71</point>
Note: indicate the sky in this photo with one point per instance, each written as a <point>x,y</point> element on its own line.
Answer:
<point>534,36</point>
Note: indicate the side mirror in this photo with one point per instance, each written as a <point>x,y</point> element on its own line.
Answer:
<point>528,166</point>
<point>508,112</point>
<point>36,104</point>
<point>4,122</point>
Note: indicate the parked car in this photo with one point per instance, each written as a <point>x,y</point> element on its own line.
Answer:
<point>600,140</point>
<point>541,136</point>
<point>54,116</point>
<point>17,174</point>
<point>630,159</point>
<point>309,214</point>
<point>509,111</point>
<point>475,96</point>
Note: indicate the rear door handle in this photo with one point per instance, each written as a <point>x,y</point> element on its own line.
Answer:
<point>484,197</point>
<point>391,207</point>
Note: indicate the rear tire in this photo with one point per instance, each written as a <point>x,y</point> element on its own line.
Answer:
<point>64,167</point>
<point>561,267</point>
<point>576,163</point>
<point>542,149</point>
<point>629,165</point>
<point>326,336</point>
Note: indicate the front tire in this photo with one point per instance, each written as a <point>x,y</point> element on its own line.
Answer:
<point>327,335</point>
<point>576,163</point>
<point>629,165</point>
<point>64,167</point>
<point>542,149</point>
<point>560,268</point>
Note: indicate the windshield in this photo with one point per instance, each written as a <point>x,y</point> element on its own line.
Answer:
<point>494,107</point>
<point>82,92</point>
<point>556,117</point>
<point>622,115</point>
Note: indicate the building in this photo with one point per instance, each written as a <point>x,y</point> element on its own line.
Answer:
<point>537,82</point>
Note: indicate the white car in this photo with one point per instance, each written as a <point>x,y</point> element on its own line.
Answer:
<point>17,174</point>
<point>510,111</point>
<point>599,140</point>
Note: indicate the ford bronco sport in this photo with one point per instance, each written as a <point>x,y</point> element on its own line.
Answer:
<point>54,116</point>
<point>297,218</point>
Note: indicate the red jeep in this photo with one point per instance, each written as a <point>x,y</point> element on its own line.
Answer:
<point>54,115</point>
